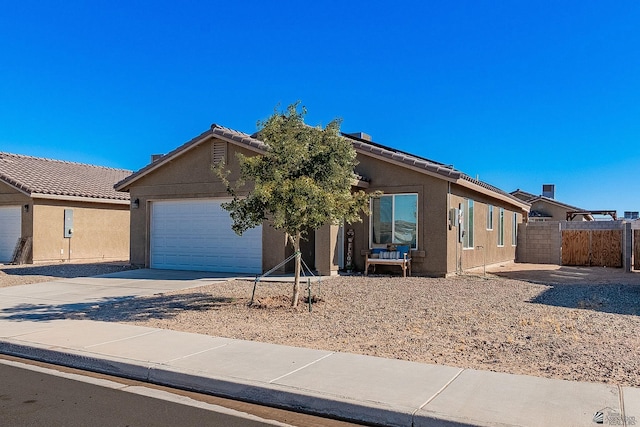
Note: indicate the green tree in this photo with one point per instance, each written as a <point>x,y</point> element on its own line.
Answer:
<point>302,182</point>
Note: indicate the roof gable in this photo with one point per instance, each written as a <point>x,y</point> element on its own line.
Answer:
<point>362,146</point>
<point>54,179</point>
<point>221,132</point>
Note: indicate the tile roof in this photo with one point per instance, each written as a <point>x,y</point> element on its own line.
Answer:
<point>222,132</point>
<point>446,171</point>
<point>47,178</point>
<point>360,144</point>
<point>523,195</point>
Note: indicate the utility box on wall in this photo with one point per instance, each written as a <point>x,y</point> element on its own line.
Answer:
<point>68,223</point>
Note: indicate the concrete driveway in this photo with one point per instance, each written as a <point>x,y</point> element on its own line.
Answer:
<point>51,300</point>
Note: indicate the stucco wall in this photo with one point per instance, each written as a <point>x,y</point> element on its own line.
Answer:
<point>430,257</point>
<point>486,249</point>
<point>100,232</point>
<point>557,213</point>
<point>191,176</point>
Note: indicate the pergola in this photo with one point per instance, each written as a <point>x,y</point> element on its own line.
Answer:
<point>572,214</point>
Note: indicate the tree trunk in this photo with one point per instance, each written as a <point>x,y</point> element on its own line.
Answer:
<point>296,282</point>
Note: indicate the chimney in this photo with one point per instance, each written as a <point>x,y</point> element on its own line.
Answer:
<point>361,135</point>
<point>155,157</point>
<point>549,191</point>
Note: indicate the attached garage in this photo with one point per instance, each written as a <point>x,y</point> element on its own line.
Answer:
<point>196,234</point>
<point>10,231</point>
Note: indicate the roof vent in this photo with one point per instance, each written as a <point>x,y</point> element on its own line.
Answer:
<point>549,191</point>
<point>361,135</point>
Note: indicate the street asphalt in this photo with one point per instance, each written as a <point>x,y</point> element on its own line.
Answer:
<point>35,324</point>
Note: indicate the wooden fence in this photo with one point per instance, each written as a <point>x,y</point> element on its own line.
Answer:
<point>593,248</point>
<point>636,249</point>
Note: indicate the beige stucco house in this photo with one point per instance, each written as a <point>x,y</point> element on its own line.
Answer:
<point>545,207</point>
<point>53,210</point>
<point>451,221</point>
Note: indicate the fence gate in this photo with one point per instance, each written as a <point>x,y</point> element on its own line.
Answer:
<point>636,249</point>
<point>602,248</point>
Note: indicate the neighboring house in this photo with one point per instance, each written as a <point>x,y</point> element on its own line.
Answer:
<point>177,221</point>
<point>546,208</point>
<point>61,211</point>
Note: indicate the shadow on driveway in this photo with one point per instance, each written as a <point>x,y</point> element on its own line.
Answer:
<point>66,270</point>
<point>121,309</point>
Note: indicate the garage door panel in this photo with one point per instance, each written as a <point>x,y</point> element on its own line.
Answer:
<point>10,231</point>
<point>197,235</point>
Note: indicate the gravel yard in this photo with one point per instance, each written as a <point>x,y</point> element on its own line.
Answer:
<point>557,322</point>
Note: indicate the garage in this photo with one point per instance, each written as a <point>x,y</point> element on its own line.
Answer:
<point>10,231</point>
<point>197,235</point>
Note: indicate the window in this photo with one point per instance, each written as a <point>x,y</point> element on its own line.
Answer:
<point>489,217</point>
<point>501,228</point>
<point>394,219</point>
<point>514,230</point>
<point>467,206</point>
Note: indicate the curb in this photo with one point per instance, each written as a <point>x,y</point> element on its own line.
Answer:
<point>299,400</point>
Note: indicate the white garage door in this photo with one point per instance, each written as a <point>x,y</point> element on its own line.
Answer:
<point>197,235</point>
<point>10,231</point>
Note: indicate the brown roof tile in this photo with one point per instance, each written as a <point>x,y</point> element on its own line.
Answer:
<point>40,177</point>
<point>360,144</point>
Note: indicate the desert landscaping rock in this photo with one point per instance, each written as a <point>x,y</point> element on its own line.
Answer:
<point>546,321</point>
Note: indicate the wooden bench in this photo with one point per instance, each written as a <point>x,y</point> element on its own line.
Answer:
<point>393,255</point>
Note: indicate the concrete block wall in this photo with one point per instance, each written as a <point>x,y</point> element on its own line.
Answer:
<point>539,242</point>
<point>592,225</point>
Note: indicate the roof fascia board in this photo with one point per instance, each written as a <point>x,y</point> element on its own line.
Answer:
<point>359,183</point>
<point>18,188</point>
<point>460,181</point>
<point>480,189</point>
<point>208,135</point>
<point>79,199</point>
<point>165,159</point>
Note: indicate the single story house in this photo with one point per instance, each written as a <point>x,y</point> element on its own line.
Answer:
<point>450,221</point>
<point>53,210</point>
<point>545,207</point>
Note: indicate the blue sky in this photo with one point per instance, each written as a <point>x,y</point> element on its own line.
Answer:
<point>518,93</point>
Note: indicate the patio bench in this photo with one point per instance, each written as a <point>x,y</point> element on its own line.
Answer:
<point>392,255</point>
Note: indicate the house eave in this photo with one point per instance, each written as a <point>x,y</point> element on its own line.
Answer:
<point>43,196</point>
<point>526,207</point>
<point>415,167</point>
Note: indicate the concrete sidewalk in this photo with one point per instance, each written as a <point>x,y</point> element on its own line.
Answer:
<point>34,323</point>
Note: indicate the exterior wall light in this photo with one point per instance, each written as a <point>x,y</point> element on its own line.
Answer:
<point>135,204</point>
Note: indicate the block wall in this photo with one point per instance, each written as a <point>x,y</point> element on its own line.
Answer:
<point>539,243</point>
